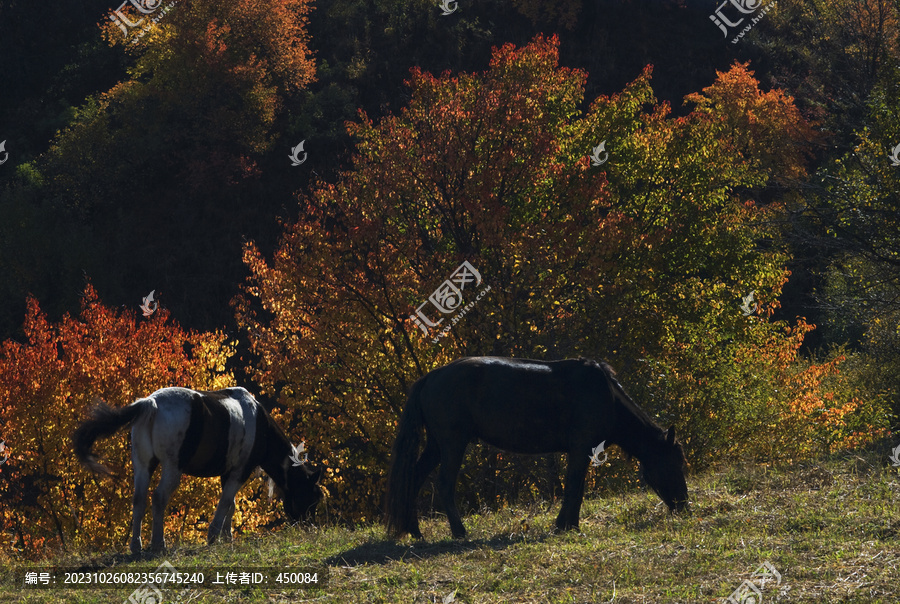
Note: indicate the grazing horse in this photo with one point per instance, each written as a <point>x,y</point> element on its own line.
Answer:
<point>523,406</point>
<point>225,433</point>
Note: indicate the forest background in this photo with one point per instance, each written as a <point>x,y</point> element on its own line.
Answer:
<point>716,216</point>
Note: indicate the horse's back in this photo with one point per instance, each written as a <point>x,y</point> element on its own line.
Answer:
<point>520,405</point>
<point>204,433</point>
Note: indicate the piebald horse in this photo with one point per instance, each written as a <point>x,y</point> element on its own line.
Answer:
<point>224,433</point>
<point>523,406</point>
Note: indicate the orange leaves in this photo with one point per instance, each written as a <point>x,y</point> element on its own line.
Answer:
<point>645,256</point>
<point>220,69</point>
<point>268,38</point>
<point>763,127</point>
<point>50,381</point>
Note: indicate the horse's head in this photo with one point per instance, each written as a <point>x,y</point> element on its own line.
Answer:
<point>302,492</point>
<point>663,468</point>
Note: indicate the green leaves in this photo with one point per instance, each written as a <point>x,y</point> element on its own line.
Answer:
<point>645,256</point>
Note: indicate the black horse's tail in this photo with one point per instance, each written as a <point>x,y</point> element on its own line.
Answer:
<point>400,498</point>
<point>104,421</point>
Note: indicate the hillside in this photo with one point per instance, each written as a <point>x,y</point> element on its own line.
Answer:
<point>829,528</point>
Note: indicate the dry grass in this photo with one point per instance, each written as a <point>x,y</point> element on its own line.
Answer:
<point>829,527</point>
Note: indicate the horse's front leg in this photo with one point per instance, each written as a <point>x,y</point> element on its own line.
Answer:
<point>168,482</point>
<point>576,468</point>
<point>221,522</point>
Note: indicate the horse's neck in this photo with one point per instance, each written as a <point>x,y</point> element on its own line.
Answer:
<point>277,450</point>
<point>634,431</point>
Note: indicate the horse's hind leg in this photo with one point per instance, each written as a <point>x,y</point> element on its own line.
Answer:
<point>142,474</point>
<point>427,462</point>
<point>168,482</point>
<point>576,469</point>
<point>451,460</point>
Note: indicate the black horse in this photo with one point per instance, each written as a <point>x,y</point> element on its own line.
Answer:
<point>523,406</point>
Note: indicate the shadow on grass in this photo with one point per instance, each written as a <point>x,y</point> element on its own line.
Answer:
<point>385,550</point>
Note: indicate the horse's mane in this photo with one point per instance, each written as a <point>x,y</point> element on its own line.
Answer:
<point>278,440</point>
<point>623,397</point>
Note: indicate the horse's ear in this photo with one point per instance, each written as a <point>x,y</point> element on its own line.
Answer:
<point>670,435</point>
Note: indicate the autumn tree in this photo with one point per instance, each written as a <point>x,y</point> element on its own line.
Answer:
<point>642,259</point>
<point>50,382</point>
<point>850,214</point>
<point>831,54</point>
<point>153,182</point>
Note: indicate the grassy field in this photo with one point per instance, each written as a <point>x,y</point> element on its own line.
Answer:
<point>829,528</point>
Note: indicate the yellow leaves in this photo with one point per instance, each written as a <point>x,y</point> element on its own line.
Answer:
<point>764,127</point>
<point>106,354</point>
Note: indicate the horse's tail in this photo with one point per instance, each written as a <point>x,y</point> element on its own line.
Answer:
<point>400,498</point>
<point>105,421</point>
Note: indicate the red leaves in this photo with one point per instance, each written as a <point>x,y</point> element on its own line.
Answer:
<point>49,383</point>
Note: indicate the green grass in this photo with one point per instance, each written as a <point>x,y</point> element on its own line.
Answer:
<point>829,527</point>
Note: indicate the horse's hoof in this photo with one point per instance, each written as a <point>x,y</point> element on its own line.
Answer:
<point>564,528</point>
